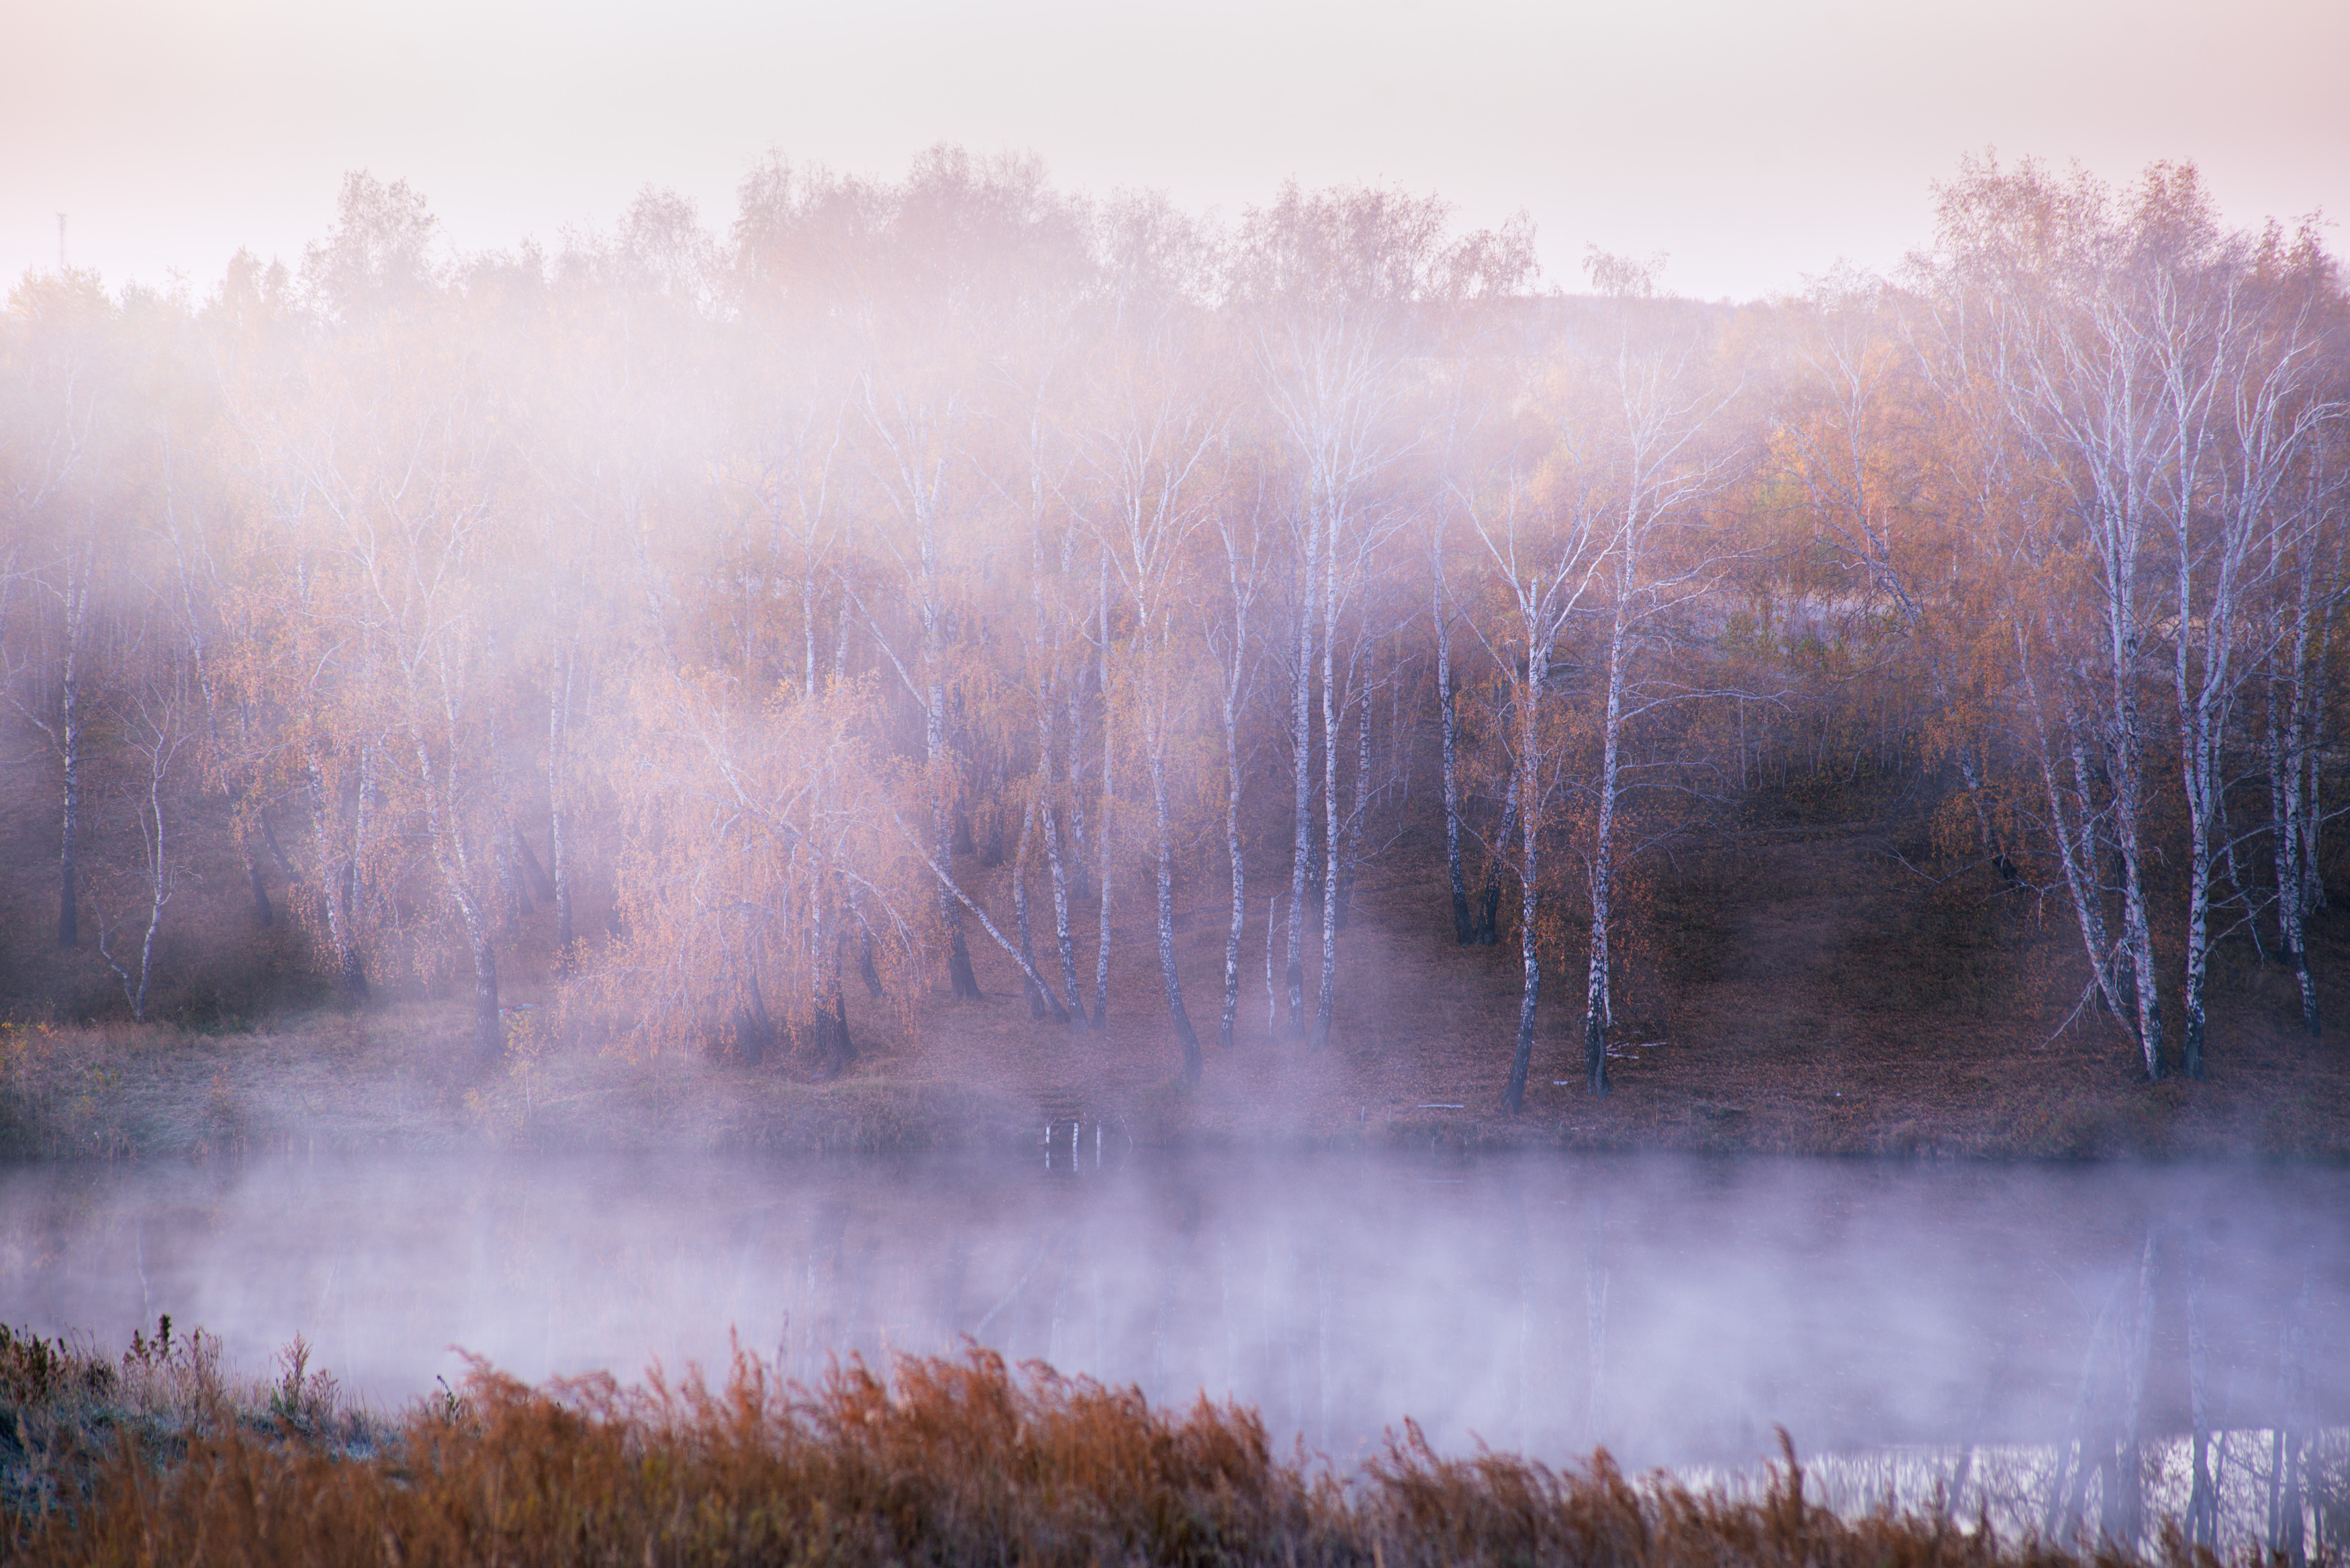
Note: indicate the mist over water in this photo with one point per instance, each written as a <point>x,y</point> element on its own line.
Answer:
<point>1675,1310</point>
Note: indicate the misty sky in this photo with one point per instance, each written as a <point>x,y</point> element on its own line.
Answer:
<point>1753,142</point>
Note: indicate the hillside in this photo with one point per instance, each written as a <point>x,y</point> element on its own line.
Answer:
<point>1796,985</point>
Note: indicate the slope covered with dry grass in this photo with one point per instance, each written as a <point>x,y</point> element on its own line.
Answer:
<point>1802,979</point>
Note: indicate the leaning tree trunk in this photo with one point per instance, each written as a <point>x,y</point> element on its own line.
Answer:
<point>2071,821</point>
<point>1040,1001</point>
<point>455,864</point>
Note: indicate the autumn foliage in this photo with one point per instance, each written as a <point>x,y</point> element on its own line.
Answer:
<point>735,631</point>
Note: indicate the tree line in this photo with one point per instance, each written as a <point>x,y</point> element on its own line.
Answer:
<point>957,560</point>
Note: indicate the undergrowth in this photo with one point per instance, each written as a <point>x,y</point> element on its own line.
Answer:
<point>942,1462</point>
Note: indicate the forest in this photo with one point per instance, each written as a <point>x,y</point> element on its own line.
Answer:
<point>760,621</point>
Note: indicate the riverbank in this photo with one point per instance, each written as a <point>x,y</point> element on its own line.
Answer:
<point>1797,990</point>
<point>401,1080</point>
<point>161,1455</point>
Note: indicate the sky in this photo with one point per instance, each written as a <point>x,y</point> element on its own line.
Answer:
<point>1754,144</point>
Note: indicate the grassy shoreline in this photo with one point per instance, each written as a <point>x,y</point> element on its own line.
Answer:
<point>161,1456</point>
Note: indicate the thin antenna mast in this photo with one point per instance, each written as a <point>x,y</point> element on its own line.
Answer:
<point>61,242</point>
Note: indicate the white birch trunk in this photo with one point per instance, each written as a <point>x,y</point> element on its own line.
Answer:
<point>1233,857</point>
<point>1597,1010</point>
<point>1301,731</point>
<point>1333,716</point>
<point>72,721</point>
<point>1514,1095</point>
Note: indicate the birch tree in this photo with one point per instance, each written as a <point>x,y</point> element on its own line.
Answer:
<point>1549,565</point>
<point>1150,453</point>
<point>1642,464</point>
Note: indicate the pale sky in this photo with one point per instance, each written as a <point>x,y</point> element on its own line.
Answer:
<point>1754,142</point>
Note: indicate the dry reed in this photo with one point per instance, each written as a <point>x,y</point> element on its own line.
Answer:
<point>942,1462</point>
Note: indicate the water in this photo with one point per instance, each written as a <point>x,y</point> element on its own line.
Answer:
<point>1910,1319</point>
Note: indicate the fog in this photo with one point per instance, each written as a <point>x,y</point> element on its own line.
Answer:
<point>1673,1311</point>
<point>812,585</point>
<point>1755,148</point>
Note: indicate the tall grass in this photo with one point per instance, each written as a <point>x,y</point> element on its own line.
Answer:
<point>941,1462</point>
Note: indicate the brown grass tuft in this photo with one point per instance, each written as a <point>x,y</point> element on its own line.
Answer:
<point>945,1462</point>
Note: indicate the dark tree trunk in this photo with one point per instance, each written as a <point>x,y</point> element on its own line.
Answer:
<point>842,1047</point>
<point>959,976</point>
<point>489,1025</point>
<point>1075,1011</point>
<point>1176,1012</point>
<point>1465,931</point>
<point>336,877</point>
<point>263,915</point>
<point>539,884</point>
<point>1358,811</point>
<point>559,815</point>
<point>515,899</point>
<point>754,1031</point>
<point>286,867</point>
<point>1489,906</point>
<point>1040,1001</point>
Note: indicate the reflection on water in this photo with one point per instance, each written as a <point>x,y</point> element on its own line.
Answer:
<point>2028,1340</point>
<point>2254,1490</point>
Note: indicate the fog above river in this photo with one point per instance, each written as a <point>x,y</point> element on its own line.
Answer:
<point>1674,1311</point>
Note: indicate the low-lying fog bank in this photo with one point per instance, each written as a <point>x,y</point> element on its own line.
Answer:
<point>1674,1311</point>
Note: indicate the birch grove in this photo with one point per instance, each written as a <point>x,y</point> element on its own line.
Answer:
<point>953,577</point>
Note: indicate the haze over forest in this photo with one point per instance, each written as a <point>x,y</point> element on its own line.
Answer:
<point>769,615</point>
